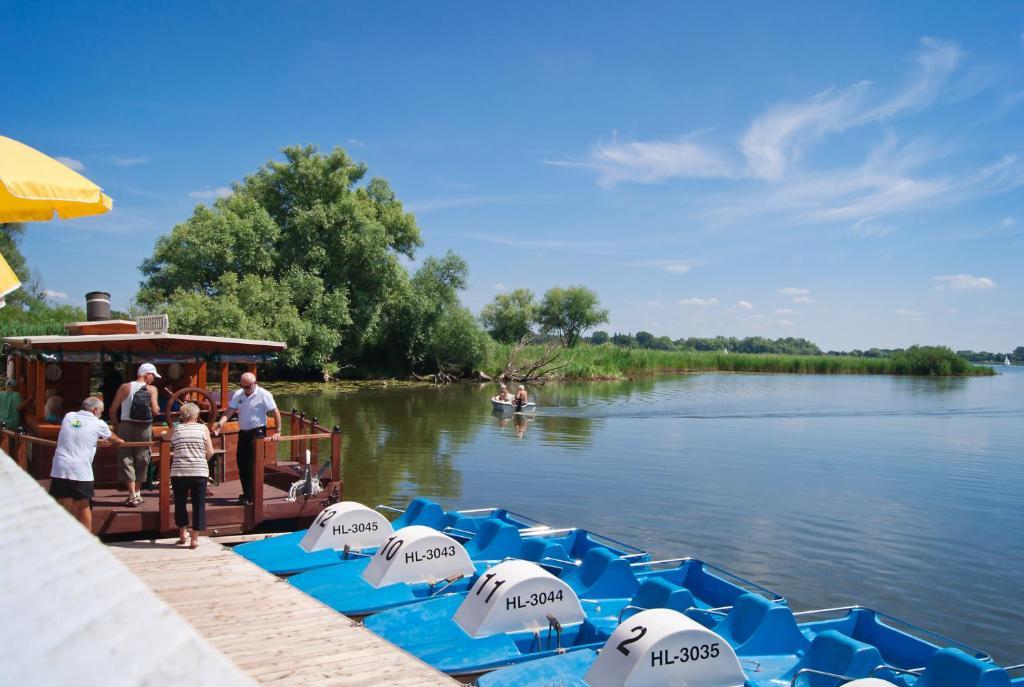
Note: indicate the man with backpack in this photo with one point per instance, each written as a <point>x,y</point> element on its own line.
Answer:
<point>132,414</point>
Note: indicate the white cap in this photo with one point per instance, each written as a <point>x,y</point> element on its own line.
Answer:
<point>148,369</point>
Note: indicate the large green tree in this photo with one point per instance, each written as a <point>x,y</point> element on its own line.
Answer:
<point>570,312</point>
<point>304,250</point>
<point>510,316</point>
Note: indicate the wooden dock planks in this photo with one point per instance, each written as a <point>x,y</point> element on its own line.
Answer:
<point>272,631</point>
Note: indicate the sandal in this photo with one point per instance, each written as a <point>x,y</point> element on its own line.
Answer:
<point>194,543</point>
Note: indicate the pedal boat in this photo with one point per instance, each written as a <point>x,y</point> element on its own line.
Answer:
<point>416,564</point>
<point>362,529</point>
<point>765,641</point>
<point>518,612</point>
<point>510,407</point>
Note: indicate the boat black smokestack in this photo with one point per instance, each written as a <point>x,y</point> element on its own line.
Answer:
<point>97,306</point>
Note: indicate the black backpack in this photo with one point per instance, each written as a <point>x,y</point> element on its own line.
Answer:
<point>140,409</point>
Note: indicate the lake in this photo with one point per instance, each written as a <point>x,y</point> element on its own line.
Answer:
<point>901,494</point>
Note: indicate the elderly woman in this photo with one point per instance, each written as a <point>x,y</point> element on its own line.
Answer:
<point>192,447</point>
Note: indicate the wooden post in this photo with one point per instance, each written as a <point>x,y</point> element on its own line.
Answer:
<point>224,387</point>
<point>40,390</point>
<point>165,486</point>
<point>257,481</point>
<point>336,458</point>
<point>201,375</point>
<point>294,449</point>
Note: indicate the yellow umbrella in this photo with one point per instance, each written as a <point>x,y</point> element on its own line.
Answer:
<point>8,280</point>
<point>34,186</point>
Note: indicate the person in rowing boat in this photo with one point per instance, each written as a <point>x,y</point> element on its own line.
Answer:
<point>503,395</point>
<point>521,398</point>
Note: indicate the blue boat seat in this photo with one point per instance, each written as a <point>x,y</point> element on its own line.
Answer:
<point>420,511</point>
<point>659,593</point>
<point>602,574</point>
<point>834,652</point>
<point>954,668</point>
<point>755,625</point>
<point>495,541</point>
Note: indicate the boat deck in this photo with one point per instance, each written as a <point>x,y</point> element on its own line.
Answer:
<point>224,515</point>
<point>269,629</point>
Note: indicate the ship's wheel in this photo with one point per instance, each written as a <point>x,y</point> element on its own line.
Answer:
<point>204,398</point>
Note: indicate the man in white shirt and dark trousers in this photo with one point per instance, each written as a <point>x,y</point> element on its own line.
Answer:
<point>252,403</point>
<point>71,479</point>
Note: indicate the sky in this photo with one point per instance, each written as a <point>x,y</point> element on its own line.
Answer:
<point>852,173</point>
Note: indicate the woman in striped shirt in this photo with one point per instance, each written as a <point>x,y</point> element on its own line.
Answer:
<point>192,448</point>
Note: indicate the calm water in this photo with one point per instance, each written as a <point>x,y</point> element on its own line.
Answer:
<point>906,495</point>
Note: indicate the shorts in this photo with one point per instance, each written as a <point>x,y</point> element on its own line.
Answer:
<point>133,462</point>
<point>61,488</point>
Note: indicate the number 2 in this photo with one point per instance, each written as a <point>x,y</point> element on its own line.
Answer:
<point>622,645</point>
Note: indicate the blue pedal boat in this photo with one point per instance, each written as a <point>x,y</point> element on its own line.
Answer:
<point>413,568</point>
<point>518,612</point>
<point>770,647</point>
<point>362,529</point>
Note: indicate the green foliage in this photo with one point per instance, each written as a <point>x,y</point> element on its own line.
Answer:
<point>458,344</point>
<point>321,245</point>
<point>27,313</point>
<point>570,312</point>
<point>599,337</point>
<point>510,316</point>
<point>610,362</point>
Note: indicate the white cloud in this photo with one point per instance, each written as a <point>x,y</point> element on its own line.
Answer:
<point>784,311</point>
<point>744,305</point>
<point>71,162</point>
<point>211,193</point>
<point>55,295</point>
<point>913,314</point>
<point>649,162</point>
<point>962,282</point>
<point>673,266</point>
<point>953,311</point>
<point>130,161</point>
<point>785,323</point>
<point>699,302</point>
<point>794,291</point>
<point>803,299</point>
<point>499,287</point>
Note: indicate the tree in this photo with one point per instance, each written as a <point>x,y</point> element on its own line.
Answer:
<point>510,316</point>
<point>307,229</point>
<point>599,337</point>
<point>570,312</point>
<point>458,345</point>
<point>644,339</point>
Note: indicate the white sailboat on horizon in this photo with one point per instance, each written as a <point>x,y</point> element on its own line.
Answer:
<point>1007,362</point>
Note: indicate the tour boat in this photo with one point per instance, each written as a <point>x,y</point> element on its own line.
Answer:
<point>756,644</point>
<point>417,563</point>
<point>343,530</point>
<point>510,407</point>
<point>517,611</point>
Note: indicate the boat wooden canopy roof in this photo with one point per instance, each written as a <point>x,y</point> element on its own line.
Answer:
<point>156,348</point>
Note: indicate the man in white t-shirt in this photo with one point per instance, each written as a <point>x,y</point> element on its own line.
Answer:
<point>252,403</point>
<point>71,479</point>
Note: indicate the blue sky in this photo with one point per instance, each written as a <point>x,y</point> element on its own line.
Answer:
<point>848,173</point>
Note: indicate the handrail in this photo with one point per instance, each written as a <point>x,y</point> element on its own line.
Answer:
<point>814,671</point>
<point>981,655</point>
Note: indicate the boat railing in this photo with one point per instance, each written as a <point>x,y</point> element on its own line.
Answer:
<point>538,526</point>
<point>895,620</point>
<point>843,679</point>
<point>311,440</point>
<point>17,444</point>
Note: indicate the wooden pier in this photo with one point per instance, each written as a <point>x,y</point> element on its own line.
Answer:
<point>269,629</point>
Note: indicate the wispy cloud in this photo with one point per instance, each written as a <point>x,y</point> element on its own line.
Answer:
<point>130,161</point>
<point>962,282</point>
<point>211,193</point>
<point>700,302</point>
<point>784,311</point>
<point>71,162</point>
<point>499,287</point>
<point>671,266</point>
<point>743,305</point>
<point>912,314</point>
<point>648,162</point>
<point>55,295</point>
<point>794,291</point>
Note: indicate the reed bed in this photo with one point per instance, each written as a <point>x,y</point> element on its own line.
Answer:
<point>611,362</point>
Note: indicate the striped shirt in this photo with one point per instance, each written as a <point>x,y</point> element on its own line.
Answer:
<point>188,443</point>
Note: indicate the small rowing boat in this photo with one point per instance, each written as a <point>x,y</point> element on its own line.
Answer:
<point>510,407</point>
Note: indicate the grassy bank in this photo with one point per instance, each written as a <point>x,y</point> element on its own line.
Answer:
<point>608,361</point>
